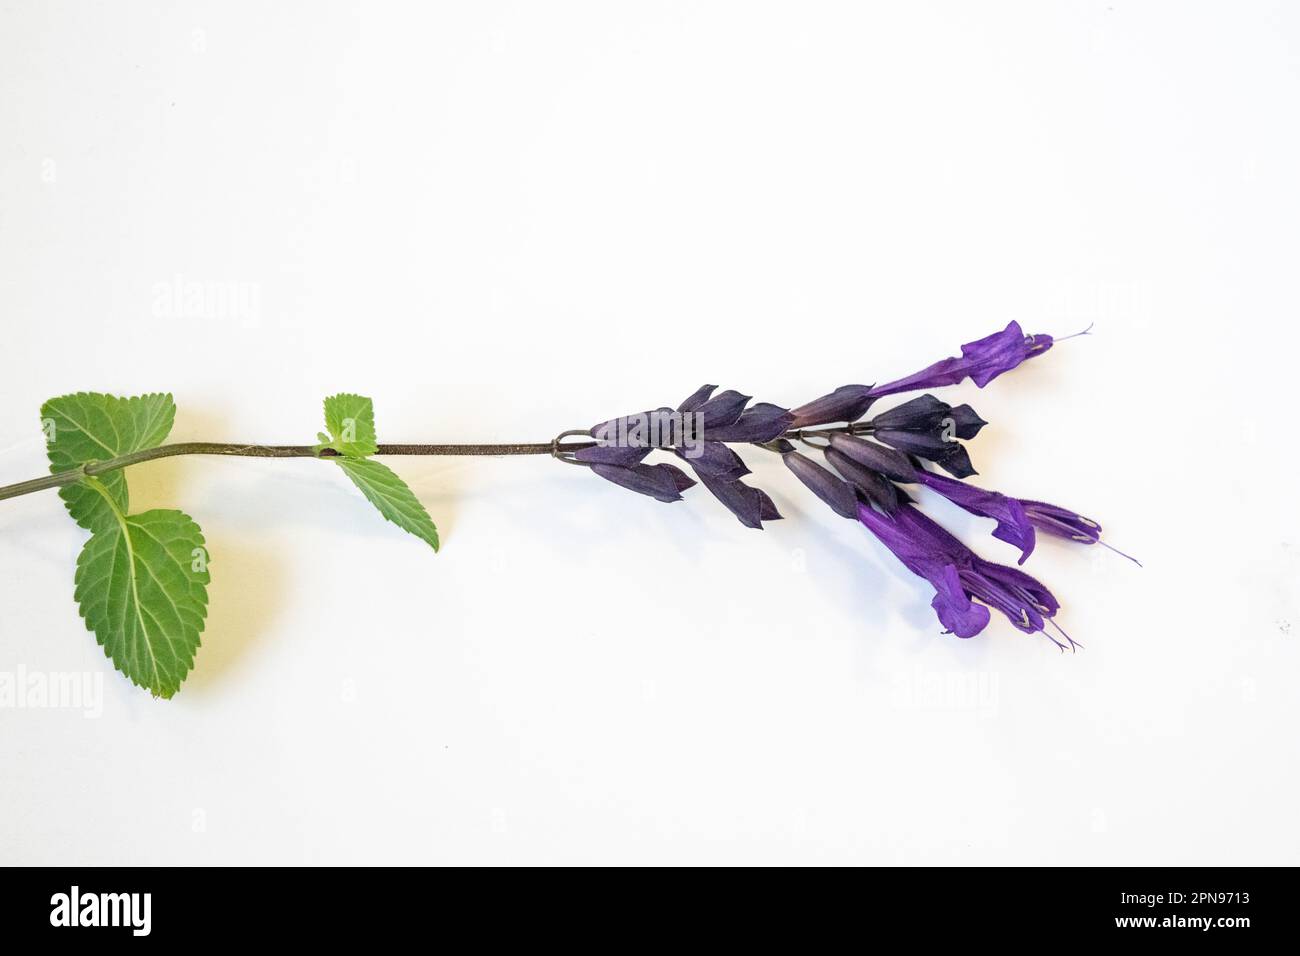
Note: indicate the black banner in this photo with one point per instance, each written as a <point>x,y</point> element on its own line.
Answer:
<point>1170,906</point>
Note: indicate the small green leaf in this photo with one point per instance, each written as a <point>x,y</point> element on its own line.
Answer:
<point>90,426</point>
<point>351,423</point>
<point>391,496</point>
<point>141,585</point>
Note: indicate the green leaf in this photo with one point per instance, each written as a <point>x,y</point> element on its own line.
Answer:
<point>391,496</point>
<point>141,585</point>
<point>90,426</point>
<point>351,423</point>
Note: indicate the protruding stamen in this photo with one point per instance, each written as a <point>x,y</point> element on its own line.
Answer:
<point>1077,334</point>
<point>1121,553</point>
<point>1074,645</point>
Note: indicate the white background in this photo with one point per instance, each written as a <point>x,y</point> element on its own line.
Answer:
<point>504,220</point>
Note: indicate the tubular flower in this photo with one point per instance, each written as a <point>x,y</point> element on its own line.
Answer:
<point>960,575</point>
<point>937,562</point>
<point>981,361</point>
<point>1014,524</point>
<point>1064,523</point>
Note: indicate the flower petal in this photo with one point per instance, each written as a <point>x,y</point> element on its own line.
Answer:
<point>956,611</point>
<point>1014,526</point>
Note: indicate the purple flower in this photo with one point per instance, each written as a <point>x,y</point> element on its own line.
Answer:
<point>829,488</point>
<point>847,403</point>
<point>982,361</point>
<point>1014,524</point>
<point>903,534</point>
<point>960,575</point>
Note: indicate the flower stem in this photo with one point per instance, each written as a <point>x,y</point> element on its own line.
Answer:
<point>264,451</point>
<point>556,447</point>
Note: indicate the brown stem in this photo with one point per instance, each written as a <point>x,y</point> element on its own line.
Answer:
<point>555,447</point>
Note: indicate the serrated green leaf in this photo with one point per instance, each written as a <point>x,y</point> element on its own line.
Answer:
<point>90,426</point>
<point>391,496</point>
<point>351,423</point>
<point>141,585</point>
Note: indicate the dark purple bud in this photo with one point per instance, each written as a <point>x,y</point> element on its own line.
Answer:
<point>922,414</point>
<point>715,460</point>
<point>967,423</point>
<point>750,505</point>
<point>836,492</point>
<point>679,477</point>
<point>663,482</point>
<point>722,409</point>
<point>982,361</point>
<point>697,398</point>
<point>1014,526</point>
<point>890,463</point>
<point>877,489</point>
<point>847,403</point>
<point>761,423</point>
<point>949,455</point>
